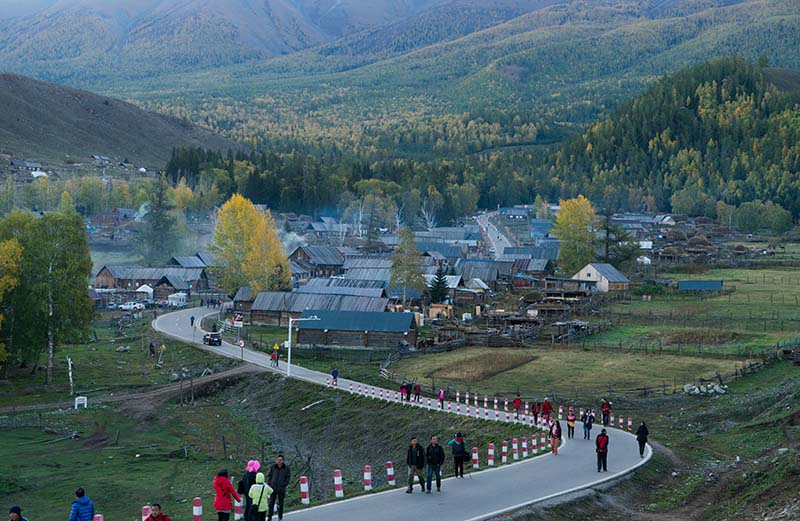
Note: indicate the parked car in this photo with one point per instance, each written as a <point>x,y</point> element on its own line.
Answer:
<point>148,303</point>
<point>212,339</point>
<point>111,306</point>
<point>132,306</point>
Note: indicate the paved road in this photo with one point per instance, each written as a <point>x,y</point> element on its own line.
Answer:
<point>483,495</point>
<point>496,237</point>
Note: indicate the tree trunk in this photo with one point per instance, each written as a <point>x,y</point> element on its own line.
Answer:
<point>50,341</point>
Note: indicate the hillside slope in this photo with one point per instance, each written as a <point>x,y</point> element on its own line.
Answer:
<point>42,121</point>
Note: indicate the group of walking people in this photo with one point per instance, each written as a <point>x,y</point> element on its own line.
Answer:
<point>412,392</point>
<point>433,456</point>
<point>262,494</point>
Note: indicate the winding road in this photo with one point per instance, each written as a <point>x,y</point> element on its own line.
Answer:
<point>483,495</point>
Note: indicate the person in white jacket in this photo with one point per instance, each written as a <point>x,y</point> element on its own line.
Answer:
<point>259,494</point>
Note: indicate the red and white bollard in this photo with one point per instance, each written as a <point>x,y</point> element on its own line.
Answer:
<point>560,412</point>
<point>146,511</point>
<point>508,416</point>
<point>373,392</point>
<point>531,421</point>
<point>390,473</point>
<point>197,509</point>
<point>491,455</point>
<point>486,413</point>
<point>524,447</point>
<point>477,413</point>
<point>98,517</point>
<point>496,414</point>
<point>367,477</point>
<point>458,408</point>
<point>238,507</point>
<point>543,442</point>
<point>475,400</point>
<point>380,394</point>
<point>359,389</point>
<point>514,449</point>
<point>467,408</point>
<point>580,413</point>
<point>621,422</point>
<point>466,397</point>
<point>495,403</point>
<point>534,446</point>
<point>504,452</point>
<point>351,388</point>
<point>396,396</point>
<point>611,417</point>
<point>304,497</point>
<point>458,397</point>
<point>485,401</point>
<point>475,458</point>
<point>337,483</point>
<point>429,403</point>
<point>327,381</point>
<point>527,408</point>
<point>505,405</point>
<point>449,406</point>
<point>630,423</point>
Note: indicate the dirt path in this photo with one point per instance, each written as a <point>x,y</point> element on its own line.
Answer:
<point>153,394</point>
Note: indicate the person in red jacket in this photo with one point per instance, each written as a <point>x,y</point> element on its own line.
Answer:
<point>605,409</point>
<point>535,412</point>
<point>602,451</point>
<point>517,405</point>
<point>157,515</point>
<point>547,408</point>
<point>223,490</point>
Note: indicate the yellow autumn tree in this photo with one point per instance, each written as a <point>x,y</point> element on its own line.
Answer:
<point>183,196</point>
<point>575,227</point>
<point>266,266</point>
<point>10,266</point>
<point>236,224</point>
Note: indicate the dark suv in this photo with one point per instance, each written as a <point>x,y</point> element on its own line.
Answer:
<point>212,339</point>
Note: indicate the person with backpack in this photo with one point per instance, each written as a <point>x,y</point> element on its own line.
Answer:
<point>415,460</point>
<point>247,481</point>
<point>571,423</point>
<point>605,410</point>
<point>587,420</point>
<point>434,455</point>
<point>82,507</point>
<point>601,444</point>
<point>517,406</point>
<point>441,399</point>
<point>258,495</point>
<point>223,490</point>
<point>278,480</point>
<point>459,447</point>
<point>641,436</point>
<point>555,436</point>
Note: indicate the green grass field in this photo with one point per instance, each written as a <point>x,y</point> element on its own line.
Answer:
<point>539,372</point>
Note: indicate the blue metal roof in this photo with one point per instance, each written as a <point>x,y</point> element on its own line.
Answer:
<point>700,285</point>
<point>358,321</point>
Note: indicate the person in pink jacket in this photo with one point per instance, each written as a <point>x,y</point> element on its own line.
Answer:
<point>223,490</point>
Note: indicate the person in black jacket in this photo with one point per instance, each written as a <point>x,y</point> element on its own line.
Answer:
<point>641,436</point>
<point>415,459</point>
<point>434,454</point>
<point>278,480</point>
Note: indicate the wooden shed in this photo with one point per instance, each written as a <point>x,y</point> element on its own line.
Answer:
<point>356,329</point>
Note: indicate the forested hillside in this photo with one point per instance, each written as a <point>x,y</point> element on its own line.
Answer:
<point>713,132</point>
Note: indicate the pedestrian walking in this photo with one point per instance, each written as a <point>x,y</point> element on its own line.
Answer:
<point>152,350</point>
<point>247,481</point>
<point>191,321</point>
<point>258,495</point>
<point>535,412</point>
<point>571,423</point>
<point>156,514</point>
<point>555,436</point>
<point>417,392</point>
<point>459,447</point>
<point>223,490</point>
<point>273,358</point>
<point>335,377</point>
<point>605,410</point>
<point>641,436</point>
<point>409,390</point>
<point>415,460</point>
<point>441,398</point>
<point>403,392</point>
<point>82,507</point>
<point>517,406</point>
<point>587,420</point>
<point>434,455</point>
<point>547,409</point>
<point>602,451</point>
<point>15,514</point>
<point>278,480</point>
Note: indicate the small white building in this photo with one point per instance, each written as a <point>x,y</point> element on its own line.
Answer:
<point>644,260</point>
<point>607,277</point>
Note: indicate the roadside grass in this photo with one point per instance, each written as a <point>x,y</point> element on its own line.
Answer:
<point>540,371</point>
<point>99,368</point>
